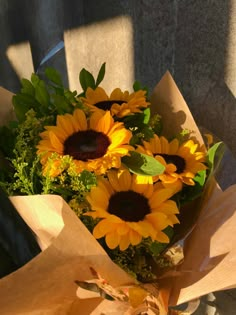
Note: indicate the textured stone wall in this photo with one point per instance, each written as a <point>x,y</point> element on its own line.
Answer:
<point>138,39</point>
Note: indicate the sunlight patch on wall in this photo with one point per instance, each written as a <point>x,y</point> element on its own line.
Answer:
<point>20,57</point>
<point>230,68</point>
<point>109,41</point>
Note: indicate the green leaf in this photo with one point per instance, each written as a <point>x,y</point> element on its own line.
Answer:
<point>27,87</point>
<point>214,155</point>
<point>86,80</point>
<point>61,104</point>
<point>70,96</point>
<point>143,164</point>
<point>23,103</point>
<point>41,94</point>
<point>137,87</point>
<point>54,76</point>
<point>34,79</point>
<point>200,178</point>
<point>88,179</point>
<point>101,74</point>
<point>190,193</point>
<point>147,114</point>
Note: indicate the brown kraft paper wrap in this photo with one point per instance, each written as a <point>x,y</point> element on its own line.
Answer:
<point>46,285</point>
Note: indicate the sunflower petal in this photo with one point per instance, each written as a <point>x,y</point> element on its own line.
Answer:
<point>162,237</point>
<point>56,143</point>
<point>159,196</point>
<point>124,242</point>
<point>102,228</point>
<point>135,238</point>
<point>112,240</point>
<point>158,220</point>
<point>80,121</point>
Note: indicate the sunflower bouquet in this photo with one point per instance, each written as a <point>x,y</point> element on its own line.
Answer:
<point>110,158</point>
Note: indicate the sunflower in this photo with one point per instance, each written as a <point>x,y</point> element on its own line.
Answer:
<point>182,161</point>
<point>96,144</point>
<point>131,208</point>
<point>119,103</point>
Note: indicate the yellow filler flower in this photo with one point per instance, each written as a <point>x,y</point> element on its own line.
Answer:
<point>182,161</point>
<point>131,208</point>
<point>96,144</point>
<point>119,103</point>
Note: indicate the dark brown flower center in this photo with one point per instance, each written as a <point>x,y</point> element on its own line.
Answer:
<point>106,105</point>
<point>86,145</point>
<point>177,160</point>
<point>129,206</point>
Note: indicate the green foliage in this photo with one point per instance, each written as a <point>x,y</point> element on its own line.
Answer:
<point>23,160</point>
<point>87,80</point>
<point>54,76</point>
<point>137,87</point>
<point>41,93</point>
<point>23,103</point>
<point>142,164</point>
<point>138,124</point>
<point>156,124</point>
<point>101,74</point>
<point>27,87</point>
<point>190,193</point>
<point>214,156</point>
<point>45,97</point>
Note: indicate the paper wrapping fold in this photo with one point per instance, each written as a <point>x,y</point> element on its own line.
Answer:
<point>46,284</point>
<point>48,281</point>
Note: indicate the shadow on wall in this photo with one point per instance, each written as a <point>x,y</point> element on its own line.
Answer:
<point>186,37</point>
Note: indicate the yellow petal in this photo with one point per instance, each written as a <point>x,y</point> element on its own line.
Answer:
<point>98,197</point>
<point>160,196</point>
<point>144,228</point>
<point>64,124</point>
<point>105,123</point>
<point>120,180</point>
<point>124,179</point>
<point>142,185</point>
<point>173,146</point>
<point>156,145</point>
<point>102,228</point>
<point>112,240</point>
<point>94,119</point>
<point>105,185</point>
<point>80,120</point>
<point>124,242</point>
<point>162,237</point>
<point>164,145</point>
<point>56,143</point>
<point>175,186</point>
<point>117,95</point>
<point>135,238</point>
<point>122,228</point>
<point>169,207</point>
<point>158,220</point>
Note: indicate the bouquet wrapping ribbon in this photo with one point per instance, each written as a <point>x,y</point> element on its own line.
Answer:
<point>46,285</point>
